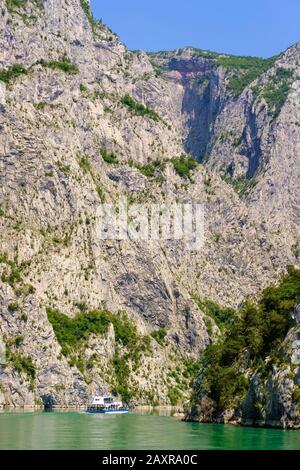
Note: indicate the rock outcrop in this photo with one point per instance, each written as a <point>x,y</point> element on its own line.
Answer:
<point>271,401</point>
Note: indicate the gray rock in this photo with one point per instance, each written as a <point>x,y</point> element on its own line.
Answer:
<point>49,198</point>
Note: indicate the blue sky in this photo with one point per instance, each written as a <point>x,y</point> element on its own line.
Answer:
<point>243,27</point>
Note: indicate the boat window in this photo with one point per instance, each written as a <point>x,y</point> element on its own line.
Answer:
<point>108,400</point>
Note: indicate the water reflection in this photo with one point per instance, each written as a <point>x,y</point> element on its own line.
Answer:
<point>79,430</point>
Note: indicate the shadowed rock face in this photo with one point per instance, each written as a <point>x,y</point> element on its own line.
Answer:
<point>53,124</point>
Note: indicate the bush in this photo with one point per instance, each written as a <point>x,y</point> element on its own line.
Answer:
<point>296,395</point>
<point>13,307</point>
<point>18,341</point>
<point>151,169</point>
<point>275,97</point>
<point>23,364</point>
<point>15,5</point>
<point>15,275</point>
<point>122,373</point>
<point>65,169</point>
<point>159,336</point>
<point>184,165</point>
<point>221,316</point>
<point>158,68</point>
<point>64,64</point>
<point>11,73</point>
<point>226,385</point>
<point>174,396</point>
<point>108,157</point>
<point>24,317</point>
<point>83,88</point>
<point>138,108</point>
<point>11,4</point>
<point>276,91</point>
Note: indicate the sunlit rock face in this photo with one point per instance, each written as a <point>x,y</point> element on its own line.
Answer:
<point>60,107</point>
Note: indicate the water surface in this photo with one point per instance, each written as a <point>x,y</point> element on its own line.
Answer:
<point>78,430</point>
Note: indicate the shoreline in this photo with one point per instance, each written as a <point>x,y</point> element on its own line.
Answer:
<point>138,408</point>
<point>175,412</point>
<point>271,424</point>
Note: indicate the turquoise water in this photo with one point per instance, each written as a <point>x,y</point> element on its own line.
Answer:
<point>78,430</point>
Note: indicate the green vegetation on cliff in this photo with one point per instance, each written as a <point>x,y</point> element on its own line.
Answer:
<point>108,157</point>
<point>64,64</point>
<point>153,169</point>
<point>222,316</point>
<point>85,5</point>
<point>138,108</point>
<point>253,341</point>
<point>20,362</point>
<point>183,165</point>
<point>244,70</point>
<point>159,336</point>
<point>7,75</point>
<point>14,6</point>
<point>87,11</point>
<point>73,334</point>
<point>276,91</point>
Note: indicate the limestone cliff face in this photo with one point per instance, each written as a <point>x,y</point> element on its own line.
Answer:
<point>272,398</point>
<point>62,106</point>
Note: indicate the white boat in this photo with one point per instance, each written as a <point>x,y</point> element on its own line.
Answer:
<point>105,404</point>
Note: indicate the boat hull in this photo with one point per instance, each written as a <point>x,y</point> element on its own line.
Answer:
<point>107,411</point>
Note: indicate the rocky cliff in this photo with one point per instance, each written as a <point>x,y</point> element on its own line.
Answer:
<point>84,121</point>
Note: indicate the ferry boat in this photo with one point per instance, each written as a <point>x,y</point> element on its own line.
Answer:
<point>105,404</point>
